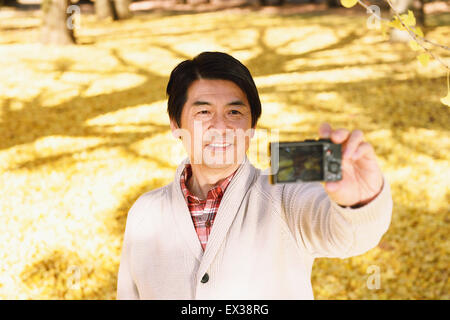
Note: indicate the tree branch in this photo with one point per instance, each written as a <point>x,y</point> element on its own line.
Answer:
<point>411,33</point>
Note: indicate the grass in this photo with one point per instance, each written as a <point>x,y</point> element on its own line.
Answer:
<point>84,131</point>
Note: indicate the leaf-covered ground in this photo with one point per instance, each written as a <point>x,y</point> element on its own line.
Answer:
<point>84,131</point>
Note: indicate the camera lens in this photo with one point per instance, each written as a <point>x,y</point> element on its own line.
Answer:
<point>334,167</point>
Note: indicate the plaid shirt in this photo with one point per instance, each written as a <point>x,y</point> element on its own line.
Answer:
<point>203,212</point>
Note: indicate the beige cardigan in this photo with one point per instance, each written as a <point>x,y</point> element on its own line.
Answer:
<point>262,244</point>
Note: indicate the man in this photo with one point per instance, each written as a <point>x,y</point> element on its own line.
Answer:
<point>220,230</point>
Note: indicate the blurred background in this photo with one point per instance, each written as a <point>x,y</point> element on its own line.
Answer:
<point>84,129</point>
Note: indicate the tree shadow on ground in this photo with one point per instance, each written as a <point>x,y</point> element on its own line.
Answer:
<point>67,274</point>
<point>368,95</point>
<point>40,122</point>
<point>406,257</point>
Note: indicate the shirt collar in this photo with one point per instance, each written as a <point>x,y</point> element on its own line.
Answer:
<point>215,192</point>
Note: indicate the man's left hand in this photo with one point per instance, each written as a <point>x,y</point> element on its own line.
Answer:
<point>362,179</point>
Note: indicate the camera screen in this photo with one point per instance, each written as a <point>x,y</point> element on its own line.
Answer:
<point>300,163</point>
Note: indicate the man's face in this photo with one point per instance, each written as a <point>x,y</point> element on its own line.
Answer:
<point>215,123</point>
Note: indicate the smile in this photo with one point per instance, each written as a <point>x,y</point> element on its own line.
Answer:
<point>219,146</point>
<point>215,145</point>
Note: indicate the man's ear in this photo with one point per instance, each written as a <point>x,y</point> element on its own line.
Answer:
<point>253,132</point>
<point>175,129</point>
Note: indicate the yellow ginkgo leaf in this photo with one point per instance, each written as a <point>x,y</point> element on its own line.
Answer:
<point>446,100</point>
<point>396,24</point>
<point>424,58</point>
<point>409,20</point>
<point>418,32</point>
<point>348,3</point>
<point>414,45</point>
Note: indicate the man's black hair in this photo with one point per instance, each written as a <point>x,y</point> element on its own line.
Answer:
<point>213,66</point>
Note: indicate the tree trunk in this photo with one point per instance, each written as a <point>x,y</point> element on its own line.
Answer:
<point>401,6</point>
<point>280,2</point>
<point>105,9</point>
<point>419,13</point>
<point>113,9</point>
<point>333,3</point>
<point>122,9</point>
<point>55,29</point>
<point>12,3</point>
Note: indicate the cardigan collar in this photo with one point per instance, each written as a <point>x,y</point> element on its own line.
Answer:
<point>213,193</point>
<point>229,206</point>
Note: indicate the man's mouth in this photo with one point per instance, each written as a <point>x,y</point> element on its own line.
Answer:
<point>218,146</point>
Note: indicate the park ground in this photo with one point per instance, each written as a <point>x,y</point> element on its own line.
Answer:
<point>84,131</point>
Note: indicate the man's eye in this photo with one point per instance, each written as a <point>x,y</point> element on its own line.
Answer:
<point>203,112</point>
<point>235,112</point>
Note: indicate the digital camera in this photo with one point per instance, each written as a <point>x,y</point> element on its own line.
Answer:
<point>304,161</point>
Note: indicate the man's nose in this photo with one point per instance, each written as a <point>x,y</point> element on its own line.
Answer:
<point>219,123</point>
<point>220,127</point>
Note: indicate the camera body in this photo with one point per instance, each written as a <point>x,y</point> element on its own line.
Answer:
<point>304,161</point>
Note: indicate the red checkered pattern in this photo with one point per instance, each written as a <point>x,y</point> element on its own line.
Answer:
<point>203,212</point>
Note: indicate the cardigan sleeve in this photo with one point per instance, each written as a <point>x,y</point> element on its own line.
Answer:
<point>126,287</point>
<point>326,229</point>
